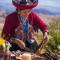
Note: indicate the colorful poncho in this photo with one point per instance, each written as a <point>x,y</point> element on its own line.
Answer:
<point>24,31</point>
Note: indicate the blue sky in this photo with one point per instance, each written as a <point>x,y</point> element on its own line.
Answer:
<point>53,3</point>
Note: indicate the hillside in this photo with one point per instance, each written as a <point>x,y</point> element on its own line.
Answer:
<point>48,18</point>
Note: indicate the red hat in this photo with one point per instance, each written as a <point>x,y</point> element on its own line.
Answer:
<point>25,4</point>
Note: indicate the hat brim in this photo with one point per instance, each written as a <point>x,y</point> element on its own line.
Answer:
<point>25,6</point>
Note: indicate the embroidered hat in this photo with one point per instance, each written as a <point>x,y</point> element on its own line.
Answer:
<point>25,4</point>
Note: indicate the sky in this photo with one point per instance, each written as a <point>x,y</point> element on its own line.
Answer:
<point>46,4</point>
<point>52,3</point>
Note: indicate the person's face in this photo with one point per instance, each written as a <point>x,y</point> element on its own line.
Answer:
<point>25,12</point>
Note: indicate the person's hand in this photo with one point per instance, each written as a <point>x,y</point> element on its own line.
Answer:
<point>20,43</point>
<point>46,38</point>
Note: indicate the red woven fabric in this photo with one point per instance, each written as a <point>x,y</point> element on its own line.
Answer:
<point>12,22</point>
<point>25,6</point>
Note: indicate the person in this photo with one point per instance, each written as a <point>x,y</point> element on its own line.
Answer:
<point>18,27</point>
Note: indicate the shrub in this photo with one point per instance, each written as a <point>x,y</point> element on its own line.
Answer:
<point>54,31</point>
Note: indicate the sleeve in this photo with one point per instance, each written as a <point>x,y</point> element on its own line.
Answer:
<point>6,28</point>
<point>39,23</point>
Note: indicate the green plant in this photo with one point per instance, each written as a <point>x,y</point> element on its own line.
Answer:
<point>54,31</point>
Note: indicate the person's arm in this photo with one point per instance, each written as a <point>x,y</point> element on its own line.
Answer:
<point>8,26</point>
<point>42,26</point>
<point>6,29</point>
<point>17,41</point>
<point>37,22</point>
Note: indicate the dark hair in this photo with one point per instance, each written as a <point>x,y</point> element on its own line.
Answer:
<point>17,9</point>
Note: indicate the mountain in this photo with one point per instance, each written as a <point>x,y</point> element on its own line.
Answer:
<point>48,10</point>
<point>42,11</point>
<point>9,8</point>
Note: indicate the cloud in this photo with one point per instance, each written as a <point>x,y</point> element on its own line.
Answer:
<point>42,3</point>
<point>5,1</point>
<point>52,3</point>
